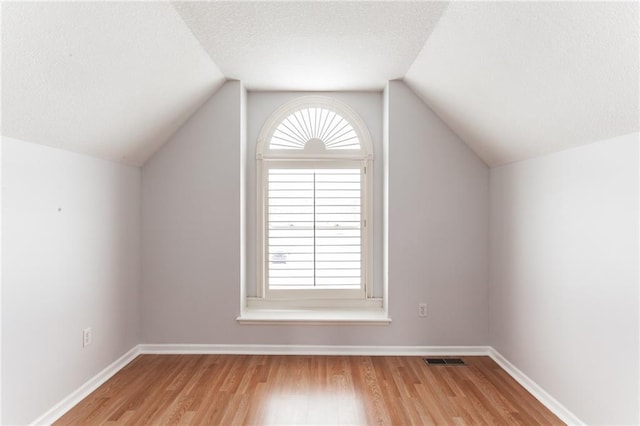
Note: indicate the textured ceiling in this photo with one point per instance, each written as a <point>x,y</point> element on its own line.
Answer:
<point>520,79</point>
<point>513,79</point>
<point>112,80</point>
<point>312,45</point>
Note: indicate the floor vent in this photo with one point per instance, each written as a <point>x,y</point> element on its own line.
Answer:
<point>444,361</point>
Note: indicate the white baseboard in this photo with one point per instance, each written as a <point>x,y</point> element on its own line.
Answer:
<point>313,350</point>
<point>534,389</point>
<point>83,391</point>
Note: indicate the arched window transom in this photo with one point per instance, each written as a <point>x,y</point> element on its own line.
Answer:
<point>314,129</point>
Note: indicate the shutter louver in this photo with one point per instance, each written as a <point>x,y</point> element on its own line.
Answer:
<point>314,228</point>
<point>314,123</point>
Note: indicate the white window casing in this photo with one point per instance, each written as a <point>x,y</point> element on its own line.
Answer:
<point>314,208</point>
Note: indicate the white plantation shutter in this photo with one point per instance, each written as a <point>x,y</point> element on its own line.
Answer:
<point>314,228</point>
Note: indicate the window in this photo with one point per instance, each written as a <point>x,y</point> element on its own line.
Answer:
<point>314,229</point>
<point>314,205</point>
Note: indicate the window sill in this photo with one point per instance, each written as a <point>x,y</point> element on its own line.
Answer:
<point>315,316</point>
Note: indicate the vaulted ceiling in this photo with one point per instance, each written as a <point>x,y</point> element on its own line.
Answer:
<point>520,79</point>
<point>513,79</point>
<point>312,45</point>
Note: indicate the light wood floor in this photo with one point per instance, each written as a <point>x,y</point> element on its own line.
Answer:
<point>321,390</point>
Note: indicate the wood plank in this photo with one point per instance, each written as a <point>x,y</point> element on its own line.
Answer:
<point>276,390</point>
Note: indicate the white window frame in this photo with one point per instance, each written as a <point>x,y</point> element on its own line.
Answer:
<point>308,159</point>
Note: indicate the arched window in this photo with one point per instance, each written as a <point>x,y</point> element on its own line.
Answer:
<point>314,202</point>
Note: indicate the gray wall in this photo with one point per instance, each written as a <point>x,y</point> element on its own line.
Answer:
<point>564,276</point>
<point>438,227</point>
<point>191,227</point>
<point>70,260</point>
<point>191,235</point>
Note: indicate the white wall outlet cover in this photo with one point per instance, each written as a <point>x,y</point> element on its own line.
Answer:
<point>86,337</point>
<point>422,309</point>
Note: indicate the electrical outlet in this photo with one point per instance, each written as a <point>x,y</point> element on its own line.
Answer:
<point>86,337</point>
<point>422,310</point>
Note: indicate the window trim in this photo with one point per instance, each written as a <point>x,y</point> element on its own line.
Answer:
<point>266,159</point>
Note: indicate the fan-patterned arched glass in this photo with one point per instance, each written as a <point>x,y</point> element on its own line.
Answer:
<point>314,123</point>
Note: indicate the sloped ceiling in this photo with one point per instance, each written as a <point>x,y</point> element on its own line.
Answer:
<point>325,45</point>
<point>520,79</point>
<point>112,80</point>
<point>513,79</point>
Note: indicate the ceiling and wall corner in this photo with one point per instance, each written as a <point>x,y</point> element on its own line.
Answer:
<point>111,80</point>
<point>514,80</point>
<point>518,80</point>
